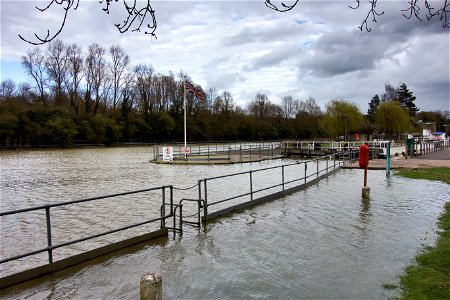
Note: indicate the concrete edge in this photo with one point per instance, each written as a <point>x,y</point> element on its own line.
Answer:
<point>65,263</point>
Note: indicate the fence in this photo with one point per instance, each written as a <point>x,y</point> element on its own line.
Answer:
<point>232,152</point>
<point>216,196</point>
<point>64,263</point>
<point>243,190</point>
<point>426,147</point>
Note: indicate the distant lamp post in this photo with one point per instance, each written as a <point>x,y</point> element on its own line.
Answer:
<point>345,127</point>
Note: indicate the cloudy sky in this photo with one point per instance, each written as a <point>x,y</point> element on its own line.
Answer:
<point>315,50</point>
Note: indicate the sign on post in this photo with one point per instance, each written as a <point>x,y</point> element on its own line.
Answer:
<point>167,154</point>
<point>186,150</point>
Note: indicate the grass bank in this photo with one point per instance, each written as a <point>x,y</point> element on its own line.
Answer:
<point>430,277</point>
<point>441,174</point>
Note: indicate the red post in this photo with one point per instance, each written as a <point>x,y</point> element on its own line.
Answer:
<point>363,156</point>
<point>363,163</point>
<point>365,177</point>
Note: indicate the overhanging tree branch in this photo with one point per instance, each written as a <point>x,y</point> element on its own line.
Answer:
<point>373,13</point>
<point>48,38</point>
<point>413,8</point>
<point>284,7</point>
<point>135,17</point>
<point>442,12</point>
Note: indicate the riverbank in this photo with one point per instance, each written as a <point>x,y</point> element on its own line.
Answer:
<point>429,278</point>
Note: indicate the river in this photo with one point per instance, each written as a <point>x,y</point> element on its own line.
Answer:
<point>323,242</point>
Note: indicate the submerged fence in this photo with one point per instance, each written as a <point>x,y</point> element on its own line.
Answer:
<point>160,220</point>
<point>216,196</point>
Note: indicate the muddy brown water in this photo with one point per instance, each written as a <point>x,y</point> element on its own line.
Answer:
<point>322,242</point>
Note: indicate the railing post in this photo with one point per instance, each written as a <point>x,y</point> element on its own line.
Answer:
<point>163,208</point>
<point>282,177</point>
<point>171,200</point>
<point>49,234</point>
<point>317,163</point>
<point>199,185</point>
<point>306,168</point>
<point>327,164</point>
<point>205,210</point>
<point>251,186</point>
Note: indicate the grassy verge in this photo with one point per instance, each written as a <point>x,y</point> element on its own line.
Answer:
<point>441,174</point>
<point>430,278</point>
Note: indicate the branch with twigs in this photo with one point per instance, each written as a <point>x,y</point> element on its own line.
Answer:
<point>284,7</point>
<point>372,13</point>
<point>135,16</point>
<point>413,9</point>
<point>48,37</point>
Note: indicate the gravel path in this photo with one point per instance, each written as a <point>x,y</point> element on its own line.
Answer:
<point>437,159</point>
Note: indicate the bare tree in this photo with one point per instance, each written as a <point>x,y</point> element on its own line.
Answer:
<point>7,89</point>
<point>143,76</point>
<point>259,108</point>
<point>290,107</point>
<point>118,66</point>
<point>55,64</point>
<point>136,17</point>
<point>310,106</point>
<point>24,92</point>
<point>95,72</point>
<point>412,9</point>
<point>391,92</point>
<point>34,64</point>
<point>74,75</point>
<point>211,95</point>
<point>228,103</point>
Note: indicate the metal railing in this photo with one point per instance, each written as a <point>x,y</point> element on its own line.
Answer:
<point>332,162</point>
<point>50,246</point>
<point>258,190</point>
<point>426,147</point>
<point>211,152</point>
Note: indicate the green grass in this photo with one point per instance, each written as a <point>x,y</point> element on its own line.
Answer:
<point>441,174</point>
<point>430,277</point>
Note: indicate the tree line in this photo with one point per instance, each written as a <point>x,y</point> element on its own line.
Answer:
<point>98,97</point>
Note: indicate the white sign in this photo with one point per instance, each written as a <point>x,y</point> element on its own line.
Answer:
<point>167,154</point>
<point>186,150</point>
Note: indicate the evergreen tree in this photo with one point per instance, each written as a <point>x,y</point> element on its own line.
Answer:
<point>373,106</point>
<point>407,99</point>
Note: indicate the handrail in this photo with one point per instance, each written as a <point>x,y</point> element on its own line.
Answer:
<point>4,213</point>
<point>211,150</point>
<point>251,192</point>
<point>50,247</point>
<point>202,201</point>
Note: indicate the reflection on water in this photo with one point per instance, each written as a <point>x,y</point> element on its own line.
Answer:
<point>323,242</point>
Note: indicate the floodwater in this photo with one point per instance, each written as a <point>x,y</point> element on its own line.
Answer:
<point>322,242</point>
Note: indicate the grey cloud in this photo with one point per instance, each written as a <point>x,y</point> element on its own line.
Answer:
<point>338,53</point>
<point>249,35</point>
<point>275,57</point>
<point>223,80</point>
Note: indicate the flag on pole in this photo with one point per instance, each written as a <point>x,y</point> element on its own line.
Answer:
<point>193,90</point>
